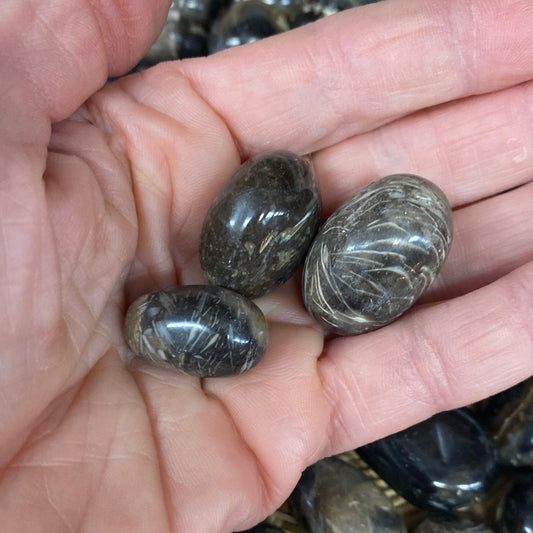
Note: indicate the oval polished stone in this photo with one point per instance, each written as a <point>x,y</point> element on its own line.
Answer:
<point>441,525</point>
<point>333,496</point>
<point>445,464</point>
<point>261,224</point>
<point>377,254</point>
<point>517,510</point>
<point>245,22</point>
<point>200,330</point>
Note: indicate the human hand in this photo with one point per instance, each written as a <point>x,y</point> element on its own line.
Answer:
<point>109,203</point>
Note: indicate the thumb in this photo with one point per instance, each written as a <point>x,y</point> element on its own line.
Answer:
<point>55,54</point>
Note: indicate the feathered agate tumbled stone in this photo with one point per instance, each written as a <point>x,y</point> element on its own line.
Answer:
<point>377,254</point>
<point>201,330</point>
<point>333,496</point>
<point>260,226</point>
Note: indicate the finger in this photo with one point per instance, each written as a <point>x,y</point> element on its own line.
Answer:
<point>351,72</point>
<point>491,239</point>
<point>435,358</point>
<point>472,148</point>
<point>179,154</point>
<point>55,54</point>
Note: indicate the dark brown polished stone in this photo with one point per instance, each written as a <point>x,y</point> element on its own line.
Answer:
<point>333,496</point>
<point>377,254</point>
<point>200,330</point>
<point>261,224</point>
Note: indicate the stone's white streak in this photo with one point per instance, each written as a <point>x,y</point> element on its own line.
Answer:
<point>376,254</point>
<point>203,331</point>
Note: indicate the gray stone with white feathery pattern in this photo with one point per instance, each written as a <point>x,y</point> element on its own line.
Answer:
<point>377,254</point>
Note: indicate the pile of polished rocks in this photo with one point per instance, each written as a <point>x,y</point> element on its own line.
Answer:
<point>461,471</point>
<point>196,28</point>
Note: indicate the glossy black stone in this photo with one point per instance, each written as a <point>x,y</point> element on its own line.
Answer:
<point>508,416</point>
<point>200,330</point>
<point>333,496</point>
<point>444,464</point>
<point>517,512</point>
<point>260,226</point>
<point>245,22</point>
<point>377,254</point>
<point>442,525</point>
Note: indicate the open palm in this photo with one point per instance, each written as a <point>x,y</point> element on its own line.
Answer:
<point>108,204</point>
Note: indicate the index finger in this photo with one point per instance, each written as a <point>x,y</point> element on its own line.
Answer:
<point>348,73</point>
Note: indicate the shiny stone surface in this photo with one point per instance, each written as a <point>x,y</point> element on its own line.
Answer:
<point>333,496</point>
<point>200,330</point>
<point>445,464</point>
<point>377,254</point>
<point>245,22</point>
<point>261,224</point>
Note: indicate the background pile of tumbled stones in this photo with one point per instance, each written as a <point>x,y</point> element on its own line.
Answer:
<point>197,28</point>
<point>462,471</point>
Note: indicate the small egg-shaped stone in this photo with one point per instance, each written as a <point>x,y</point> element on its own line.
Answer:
<point>333,496</point>
<point>201,330</point>
<point>377,254</point>
<point>245,22</point>
<point>260,226</point>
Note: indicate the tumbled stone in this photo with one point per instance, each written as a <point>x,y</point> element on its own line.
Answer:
<point>245,22</point>
<point>333,496</point>
<point>442,525</point>
<point>200,330</point>
<point>261,224</point>
<point>508,416</point>
<point>377,254</point>
<point>517,511</point>
<point>446,463</point>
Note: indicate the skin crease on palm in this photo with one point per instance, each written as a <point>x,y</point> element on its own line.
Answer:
<point>102,195</point>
